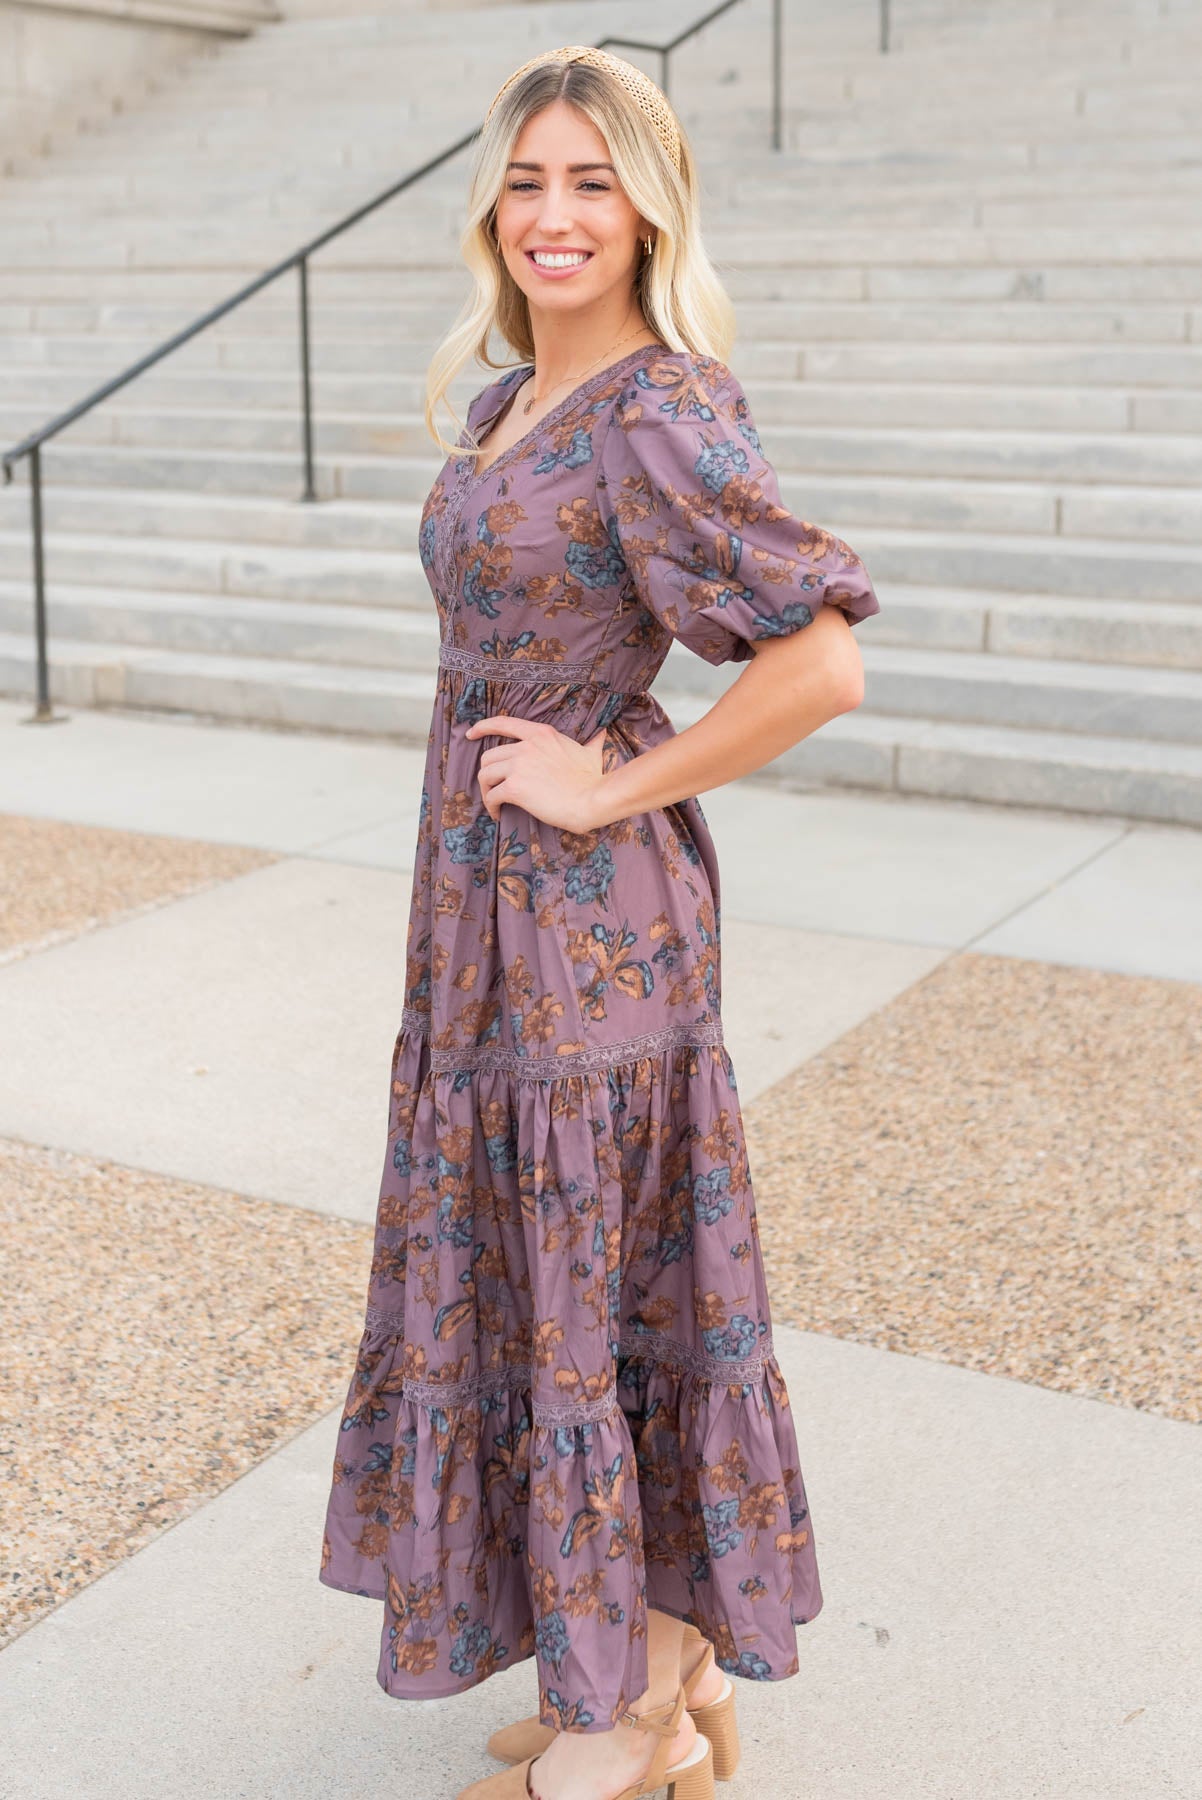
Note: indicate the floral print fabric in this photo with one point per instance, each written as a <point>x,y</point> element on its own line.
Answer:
<point>565,1405</point>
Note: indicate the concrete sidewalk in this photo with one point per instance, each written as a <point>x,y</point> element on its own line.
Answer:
<point>1013,1590</point>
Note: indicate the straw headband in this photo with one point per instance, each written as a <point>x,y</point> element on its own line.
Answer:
<point>640,87</point>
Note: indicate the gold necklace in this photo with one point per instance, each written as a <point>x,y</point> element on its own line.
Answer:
<point>578,378</point>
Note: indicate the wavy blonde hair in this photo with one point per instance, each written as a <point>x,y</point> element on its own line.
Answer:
<point>677,287</point>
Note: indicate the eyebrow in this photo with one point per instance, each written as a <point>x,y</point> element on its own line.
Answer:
<point>573,168</point>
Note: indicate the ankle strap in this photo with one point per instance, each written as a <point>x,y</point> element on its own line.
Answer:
<point>645,1723</point>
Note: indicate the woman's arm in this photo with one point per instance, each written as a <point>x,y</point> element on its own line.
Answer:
<point>792,685</point>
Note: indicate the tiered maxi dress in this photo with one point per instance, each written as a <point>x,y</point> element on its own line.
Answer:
<point>566,1406</point>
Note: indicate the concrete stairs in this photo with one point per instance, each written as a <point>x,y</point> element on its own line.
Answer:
<point>970,330</point>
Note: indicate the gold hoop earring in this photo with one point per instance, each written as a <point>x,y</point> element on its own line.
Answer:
<point>647,242</point>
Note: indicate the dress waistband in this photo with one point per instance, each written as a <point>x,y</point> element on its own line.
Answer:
<point>525,669</point>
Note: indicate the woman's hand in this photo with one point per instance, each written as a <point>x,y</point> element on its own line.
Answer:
<point>546,772</point>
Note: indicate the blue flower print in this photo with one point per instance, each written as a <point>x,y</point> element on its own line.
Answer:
<point>472,1643</point>
<point>733,1340</point>
<point>721,1530</point>
<point>578,454</point>
<point>718,462</point>
<point>597,565</point>
<point>712,1198</point>
<point>588,881</point>
<point>749,1663</point>
<point>426,538</point>
<point>791,617</point>
<point>574,1440</point>
<point>471,843</point>
<point>552,1638</point>
<point>568,1712</point>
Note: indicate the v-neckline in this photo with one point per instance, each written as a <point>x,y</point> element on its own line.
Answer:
<point>556,412</point>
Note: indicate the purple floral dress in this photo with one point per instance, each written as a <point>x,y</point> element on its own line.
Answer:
<point>566,1406</point>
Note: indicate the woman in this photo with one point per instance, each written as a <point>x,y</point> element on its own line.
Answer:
<point>567,1436</point>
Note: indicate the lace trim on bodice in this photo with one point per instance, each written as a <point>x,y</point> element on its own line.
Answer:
<point>573,1062</point>
<point>522,668</point>
<point>651,1346</point>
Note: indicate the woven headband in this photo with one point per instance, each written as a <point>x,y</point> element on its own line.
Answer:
<point>640,87</point>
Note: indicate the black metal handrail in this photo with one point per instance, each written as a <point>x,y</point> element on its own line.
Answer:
<point>30,448</point>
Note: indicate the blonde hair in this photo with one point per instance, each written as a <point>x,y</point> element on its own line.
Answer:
<point>678,289</point>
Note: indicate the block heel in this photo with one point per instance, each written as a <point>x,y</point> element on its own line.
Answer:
<point>717,1720</point>
<point>693,1779</point>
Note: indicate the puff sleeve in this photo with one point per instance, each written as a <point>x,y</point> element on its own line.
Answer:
<point>693,506</point>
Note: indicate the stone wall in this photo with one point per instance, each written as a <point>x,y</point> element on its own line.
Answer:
<point>67,64</point>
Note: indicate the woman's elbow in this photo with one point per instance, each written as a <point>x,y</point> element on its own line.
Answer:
<point>844,666</point>
<point>851,681</point>
<point>821,664</point>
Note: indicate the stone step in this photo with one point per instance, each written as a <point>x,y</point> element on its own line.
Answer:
<point>781,371</point>
<point>303,214</point>
<point>895,114</point>
<point>1139,634</point>
<point>1068,86</point>
<point>110,192</point>
<point>87,198</point>
<point>944,405</point>
<point>1080,571</point>
<point>1087,627</point>
<point>225,245</point>
<point>252,94</point>
<point>791,320</point>
<point>997,636</point>
<point>992,764</point>
<point>188,292</point>
<point>1025,692</point>
<point>845,502</point>
<point>1100,364</point>
<point>382,577</point>
<point>1089,567</point>
<point>316,696</point>
<point>1092,365</point>
<point>1049,626</point>
<point>1077,568</point>
<point>866,350</point>
<point>363,637</point>
<point>241,519</point>
<point>1097,774</point>
<point>1154,459</point>
<point>55,238</point>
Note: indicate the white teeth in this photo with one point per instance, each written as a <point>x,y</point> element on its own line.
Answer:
<point>557,262</point>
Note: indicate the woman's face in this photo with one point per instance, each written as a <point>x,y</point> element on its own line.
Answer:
<point>550,203</point>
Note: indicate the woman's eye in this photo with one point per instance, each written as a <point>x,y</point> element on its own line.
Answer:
<point>517,187</point>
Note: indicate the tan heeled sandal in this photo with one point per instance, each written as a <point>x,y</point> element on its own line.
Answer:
<point>690,1779</point>
<point>714,1718</point>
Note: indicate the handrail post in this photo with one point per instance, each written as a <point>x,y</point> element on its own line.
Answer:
<point>777,77</point>
<point>310,492</point>
<point>43,710</point>
<point>885,24</point>
<point>663,73</point>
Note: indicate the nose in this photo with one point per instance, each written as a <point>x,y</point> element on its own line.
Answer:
<point>554,215</point>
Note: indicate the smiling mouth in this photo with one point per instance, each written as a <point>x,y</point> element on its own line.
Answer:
<point>583,256</point>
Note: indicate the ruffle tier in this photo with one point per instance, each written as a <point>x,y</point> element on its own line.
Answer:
<point>566,1406</point>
